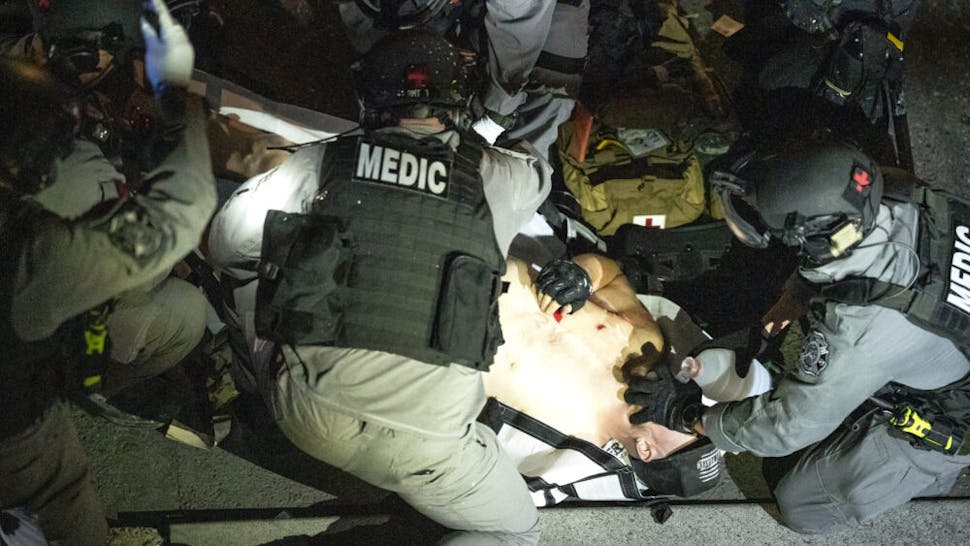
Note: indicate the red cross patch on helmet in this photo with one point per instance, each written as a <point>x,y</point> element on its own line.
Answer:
<point>859,186</point>
<point>418,77</point>
<point>861,178</point>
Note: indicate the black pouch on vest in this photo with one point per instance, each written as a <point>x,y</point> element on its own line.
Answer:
<point>466,324</point>
<point>304,268</point>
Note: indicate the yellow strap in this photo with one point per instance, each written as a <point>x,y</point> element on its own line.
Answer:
<point>91,381</point>
<point>607,142</point>
<point>895,41</point>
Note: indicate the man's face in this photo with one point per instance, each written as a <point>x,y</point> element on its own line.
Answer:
<point>652,441</point>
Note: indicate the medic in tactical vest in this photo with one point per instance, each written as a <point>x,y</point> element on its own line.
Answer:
<point>877,409</point>
<point>367,271</point>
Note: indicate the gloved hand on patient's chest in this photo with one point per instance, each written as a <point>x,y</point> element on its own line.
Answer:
<point>666,400</point>
<point>565,283</point>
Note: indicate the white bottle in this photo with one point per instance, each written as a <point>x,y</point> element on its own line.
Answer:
<point>715,373</point>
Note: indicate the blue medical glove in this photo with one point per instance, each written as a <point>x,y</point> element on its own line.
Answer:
<point>169,56</point>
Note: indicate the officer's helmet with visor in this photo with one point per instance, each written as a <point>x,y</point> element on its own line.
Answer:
<point>413,73</point>
<point>39,121</point>
<point>822,198</point>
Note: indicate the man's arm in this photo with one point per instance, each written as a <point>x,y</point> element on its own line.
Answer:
<point>516,182</point>
<point>567,285</point>
<point>86,179</point>
<point>612,291</point>
<point>73,266</point>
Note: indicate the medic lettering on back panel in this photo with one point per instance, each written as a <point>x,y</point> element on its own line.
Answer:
<point>404,169</point>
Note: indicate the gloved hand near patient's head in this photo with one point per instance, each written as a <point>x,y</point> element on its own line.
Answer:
<point>565,283</point>
<point>666,400</point>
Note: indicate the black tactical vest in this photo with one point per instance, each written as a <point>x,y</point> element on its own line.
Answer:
<point>397,254</point>
<point>29,382</point>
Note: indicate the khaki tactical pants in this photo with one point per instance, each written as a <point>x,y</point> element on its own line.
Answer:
<point>152,331</point>
<point>465,483</point>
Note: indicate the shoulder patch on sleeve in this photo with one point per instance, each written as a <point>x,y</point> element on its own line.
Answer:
<point>131,231</point>
<point>814,357</point>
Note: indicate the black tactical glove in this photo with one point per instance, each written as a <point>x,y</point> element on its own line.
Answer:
<point>565,282</point>
<point>665,400</point>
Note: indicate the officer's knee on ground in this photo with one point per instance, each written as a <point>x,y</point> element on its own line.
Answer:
<point>184,327</point>
<point>805,508</point>
<point>155,331</point>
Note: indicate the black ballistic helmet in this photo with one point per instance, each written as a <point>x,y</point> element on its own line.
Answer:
<point>39,121</point>
<point>820,197</point>
<point>403,14</point>
<point>412,67</point>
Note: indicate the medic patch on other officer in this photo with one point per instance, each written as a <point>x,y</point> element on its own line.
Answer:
<point>130,230</point>
<point>814,357</point>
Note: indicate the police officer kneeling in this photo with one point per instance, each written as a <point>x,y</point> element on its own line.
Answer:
<point>886,274</point>
<point>54,270</point>
<point>379,263</point>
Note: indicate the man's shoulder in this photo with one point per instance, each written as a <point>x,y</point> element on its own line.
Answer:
<point>305,160</point>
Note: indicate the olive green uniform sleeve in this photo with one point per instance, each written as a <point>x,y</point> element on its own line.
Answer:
<point>70,266</point>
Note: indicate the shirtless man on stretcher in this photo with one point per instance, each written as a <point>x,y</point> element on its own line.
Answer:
<point>568,368</point>
<point>567,373</point>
